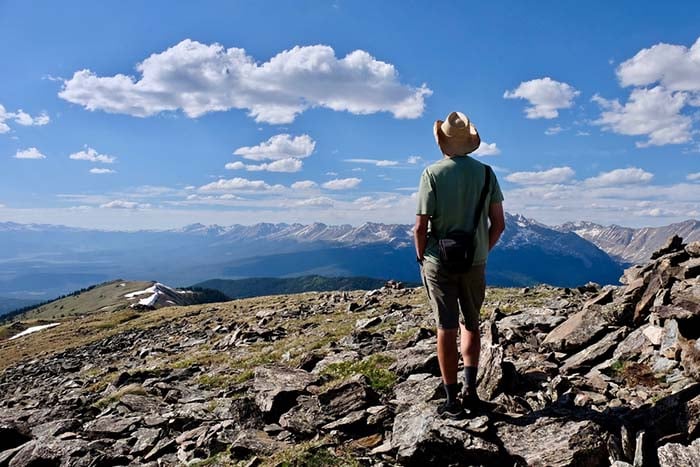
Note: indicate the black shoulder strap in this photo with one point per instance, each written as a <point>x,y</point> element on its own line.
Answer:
<point>482,198</point>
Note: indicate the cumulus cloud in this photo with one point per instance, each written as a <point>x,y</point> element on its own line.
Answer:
<point>555,175</point>
<point>200,78</point>
<point>487,149</point>
<point>278,147</point>
<point>239,184</point>
<point>415,159</point>
<point>304,185</point>
<point>123,204</point>
<point>282,165</point>
<point>676,67</point>
<point>21,118</point>
<point>98,171</point>
<point>693,177</point>
<point>319,202</point>
<point>91,155</point>
<point>617,177</point>
<point>377,162</point>
<point>545,95</point>
<point>342,183</point>
<point>654,113</point>
<point>29,153</point>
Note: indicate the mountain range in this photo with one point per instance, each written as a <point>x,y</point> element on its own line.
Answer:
<point>42,261</point>
<point>630,245</point>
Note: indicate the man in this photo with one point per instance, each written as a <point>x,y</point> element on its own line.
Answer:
<point>448,201</point>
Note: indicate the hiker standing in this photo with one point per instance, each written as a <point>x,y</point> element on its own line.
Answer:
<point>458,220</point>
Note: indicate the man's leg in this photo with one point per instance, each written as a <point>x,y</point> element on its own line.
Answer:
<point>443,295</point>
<point>470,346</point>
<point>447,355</point>
<point>472,292</point>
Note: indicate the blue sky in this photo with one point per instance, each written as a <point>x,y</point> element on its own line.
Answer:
<point>129,115</point>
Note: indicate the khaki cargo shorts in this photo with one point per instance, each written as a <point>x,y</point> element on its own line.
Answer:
<point>455,298</point>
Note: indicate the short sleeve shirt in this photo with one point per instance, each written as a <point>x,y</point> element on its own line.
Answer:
<point>449,192</point>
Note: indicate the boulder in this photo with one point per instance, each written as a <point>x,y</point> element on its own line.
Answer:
<point>305,417</point>
<point>351,395</point>
<point>555,442</point>
<point>422,387</point>
<point>421,437</point>
<point>586,358</point>
<point>112,425</point>
<point>277,387</point>
<point>693,249</point>
<point>251,442</point>
<point>419,359</point>
<point>527,321</point>
<point>672,244</point>
<point>675,455</point>
<point>579,330</point>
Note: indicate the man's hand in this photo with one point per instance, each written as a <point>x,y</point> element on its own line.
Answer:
<point>497,223</point>
<point>420,235</point>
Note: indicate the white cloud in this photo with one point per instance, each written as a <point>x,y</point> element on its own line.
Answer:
<point>582,133</point>
<point>200,78</point>
<point>21,118</point>
<point>487,149</point>
<point>342,183</point>
<point>282,165</point>
<point>29,153</point>
<point>676,67</point>
<point>655,113</point>
<point>98,171</point>
<point>321,202</point>
<point>304,185</point>
<point>377,162</point>
<point>238,165</point>
<point>545,95</point>
<point>122,204</point>
<point>238,184</point>
<point>89,154</point>
<point>415,159</point>
<point>278,147</point>
<point>617,177</point>
<point>693,177</point>
<point>553,130</point>
<point>555,175</point>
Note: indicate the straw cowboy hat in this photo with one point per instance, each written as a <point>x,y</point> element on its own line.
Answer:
<point>456,135</point>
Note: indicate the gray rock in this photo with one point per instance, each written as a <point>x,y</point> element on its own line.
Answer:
<point>305,417</point>
<point>589,356</point>
<point>555,442</point>
<point>418,388</point>
<point>348,422</point>
<point>635,346</point>
<point>693,249</point>
<point>675,455</point>
<point>367,323</point>
<point>669,346</point>
<point>419,359</point>
<point>353,394</point>
<point>529,320</point>
<point>579,330</point>
<point>146,439</point>
<point>251,442</point>
<point>112,425</point>
<point>421,437</point>
<point>276,387</point>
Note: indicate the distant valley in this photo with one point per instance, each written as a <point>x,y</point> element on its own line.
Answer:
<point>40,262</point>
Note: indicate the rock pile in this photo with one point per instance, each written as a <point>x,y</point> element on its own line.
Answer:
<point>575,377</point>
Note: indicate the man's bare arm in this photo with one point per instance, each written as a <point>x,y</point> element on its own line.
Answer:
<point>420,235</point>
<point>497,223</point>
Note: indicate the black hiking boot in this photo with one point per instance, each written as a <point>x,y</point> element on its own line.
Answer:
<point>471,402</point>
<point>452,410</point>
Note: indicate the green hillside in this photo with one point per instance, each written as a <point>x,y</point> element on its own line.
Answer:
<point>261,286</point>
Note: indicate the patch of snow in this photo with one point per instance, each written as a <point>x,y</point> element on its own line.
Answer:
<point>33,329</point>
<point>123,284</point>
<point>149,301</point>
<point>150,290</point>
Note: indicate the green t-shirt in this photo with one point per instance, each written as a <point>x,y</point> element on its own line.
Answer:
<point>449,193</point>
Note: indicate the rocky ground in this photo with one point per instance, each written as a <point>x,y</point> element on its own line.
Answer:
<point>576,377</point>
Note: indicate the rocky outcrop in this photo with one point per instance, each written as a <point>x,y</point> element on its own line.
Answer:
<point>573,377</point>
